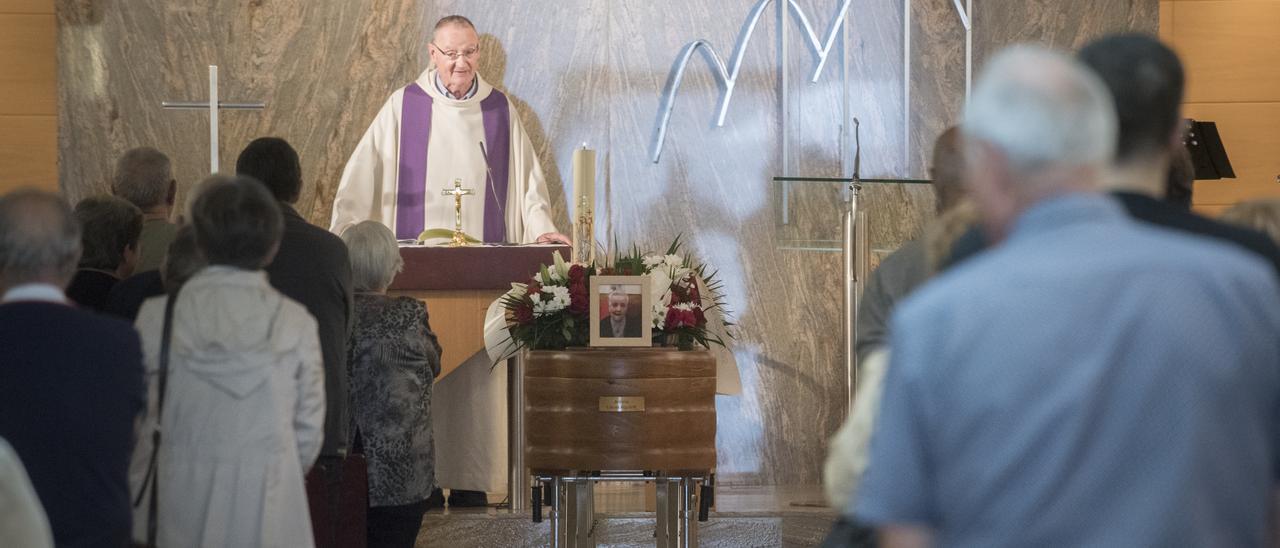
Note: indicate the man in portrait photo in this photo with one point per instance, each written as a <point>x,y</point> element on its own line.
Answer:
<point>621,321</point>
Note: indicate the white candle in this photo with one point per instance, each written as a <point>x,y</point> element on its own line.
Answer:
<point>584,180</point>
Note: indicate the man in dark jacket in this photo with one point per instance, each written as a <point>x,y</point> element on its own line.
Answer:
<point>313,268</point>
<point>1146,81</point>
<point>67,403</point>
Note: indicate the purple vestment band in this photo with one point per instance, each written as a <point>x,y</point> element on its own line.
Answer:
<point>411,183</point>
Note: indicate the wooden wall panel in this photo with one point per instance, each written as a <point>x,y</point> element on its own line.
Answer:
<point>28,95</point>
<point>1229,49</point>
<point>27,6</point>
<point>1233,78</point>
<point>28,75</point>
<point>28,152</point>
<point>1166,20</point>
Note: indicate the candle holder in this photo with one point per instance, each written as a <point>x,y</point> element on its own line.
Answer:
<point>584,249</point>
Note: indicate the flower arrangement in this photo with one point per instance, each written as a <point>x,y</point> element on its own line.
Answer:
<point>553,310</point>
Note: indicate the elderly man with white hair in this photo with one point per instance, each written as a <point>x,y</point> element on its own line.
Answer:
<point>1089,381</point>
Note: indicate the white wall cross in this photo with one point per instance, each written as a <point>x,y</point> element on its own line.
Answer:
<point>212,105</point>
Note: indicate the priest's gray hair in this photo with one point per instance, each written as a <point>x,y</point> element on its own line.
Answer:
<point>143,176</point>
<point>39,239</point>
<point>375,257</point>
<point>454,20</point>
<point>1042,109</point>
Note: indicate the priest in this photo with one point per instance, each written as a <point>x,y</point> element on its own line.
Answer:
<point>451,125</point>
<point>448,125</point>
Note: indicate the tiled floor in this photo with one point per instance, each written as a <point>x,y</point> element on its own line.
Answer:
<point>743,516</point>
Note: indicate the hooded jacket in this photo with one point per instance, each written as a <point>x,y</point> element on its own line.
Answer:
<point>243,414</point>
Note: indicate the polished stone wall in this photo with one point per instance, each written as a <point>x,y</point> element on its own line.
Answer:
<point>594,71</point>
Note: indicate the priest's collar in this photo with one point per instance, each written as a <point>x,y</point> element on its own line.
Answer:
<point>475,86</point>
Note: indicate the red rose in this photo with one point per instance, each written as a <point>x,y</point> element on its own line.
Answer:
<point>579,301</point>
<point>523,314</point>
<point>673,320</point>
<point>577,274</point>
<point>699,317</point>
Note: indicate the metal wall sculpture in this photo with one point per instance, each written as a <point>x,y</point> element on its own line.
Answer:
<point>727,76</point>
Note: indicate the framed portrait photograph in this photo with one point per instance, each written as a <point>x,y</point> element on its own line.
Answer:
<point>621,314</point>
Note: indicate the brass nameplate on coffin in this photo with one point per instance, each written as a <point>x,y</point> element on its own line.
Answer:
<point>621,404</point>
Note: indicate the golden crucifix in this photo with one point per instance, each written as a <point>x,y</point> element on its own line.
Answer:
<point>459,238</point>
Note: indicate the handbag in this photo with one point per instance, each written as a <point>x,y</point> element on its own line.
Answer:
<point>149,482</point>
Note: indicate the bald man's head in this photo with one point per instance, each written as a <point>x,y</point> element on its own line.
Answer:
<point>39,239</point>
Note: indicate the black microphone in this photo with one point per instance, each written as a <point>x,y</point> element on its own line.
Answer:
<point>857,152</point>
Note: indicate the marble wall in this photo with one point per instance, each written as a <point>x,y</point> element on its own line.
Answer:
<point>594,71</point>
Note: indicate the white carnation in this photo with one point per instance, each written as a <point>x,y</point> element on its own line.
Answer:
<point>651,261</point>
<point>555,299</point>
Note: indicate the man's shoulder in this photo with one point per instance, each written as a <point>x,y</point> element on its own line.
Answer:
<point>84,324</point>
<point>1169,216</point>
<point>303,241</point>
<point>1133,251</point>
<point>159,228</point>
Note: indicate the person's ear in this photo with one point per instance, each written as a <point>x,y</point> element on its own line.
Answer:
<point>172,195</point>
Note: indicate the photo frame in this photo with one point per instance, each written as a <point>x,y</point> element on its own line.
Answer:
<point>621,311</point>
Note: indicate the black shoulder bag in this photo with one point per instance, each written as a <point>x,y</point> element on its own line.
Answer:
<point>149,483</point>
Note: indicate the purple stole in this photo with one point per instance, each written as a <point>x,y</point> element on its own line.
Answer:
<point>411,185</point>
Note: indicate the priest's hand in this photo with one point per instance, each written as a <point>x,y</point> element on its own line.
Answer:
<point>554,237</point>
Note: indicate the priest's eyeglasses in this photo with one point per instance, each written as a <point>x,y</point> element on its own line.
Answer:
<point>455,55</point>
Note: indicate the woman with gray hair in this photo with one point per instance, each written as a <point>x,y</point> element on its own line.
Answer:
<point>393,358</point>
<point>241,400</point>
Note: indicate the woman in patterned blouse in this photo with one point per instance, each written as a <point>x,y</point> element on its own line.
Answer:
<point>392,359</point>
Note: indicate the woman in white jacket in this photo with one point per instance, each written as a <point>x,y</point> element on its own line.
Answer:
<point>244,405</point>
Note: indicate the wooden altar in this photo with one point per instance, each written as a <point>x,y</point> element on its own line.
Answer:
<point>620,414</point>
<point>459,283</point>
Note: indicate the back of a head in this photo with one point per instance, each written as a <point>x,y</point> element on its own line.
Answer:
<point>375,255</point>
<point>1042,110</point>
<point>947,169</point>
<point>108,225</point>
<point>143,177</point>
<point>237,223</point>
<point>274,163</point>
<point>1145,79</point>
<point>194,192</point>
<point>1262,214</point>
<point>39,239</point>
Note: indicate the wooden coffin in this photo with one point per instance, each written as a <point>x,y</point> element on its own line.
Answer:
<point>620,409</point>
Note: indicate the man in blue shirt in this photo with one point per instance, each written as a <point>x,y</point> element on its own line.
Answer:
<point>1089,381</point>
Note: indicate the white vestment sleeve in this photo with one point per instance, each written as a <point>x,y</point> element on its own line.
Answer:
<point>308,418</point>
<point>360,190</point>
<point>531,184</point>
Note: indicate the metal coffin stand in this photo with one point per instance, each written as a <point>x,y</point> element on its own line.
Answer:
<point>642,414</point>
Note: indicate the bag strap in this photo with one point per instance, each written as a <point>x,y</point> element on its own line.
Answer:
<point>162,378</point>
